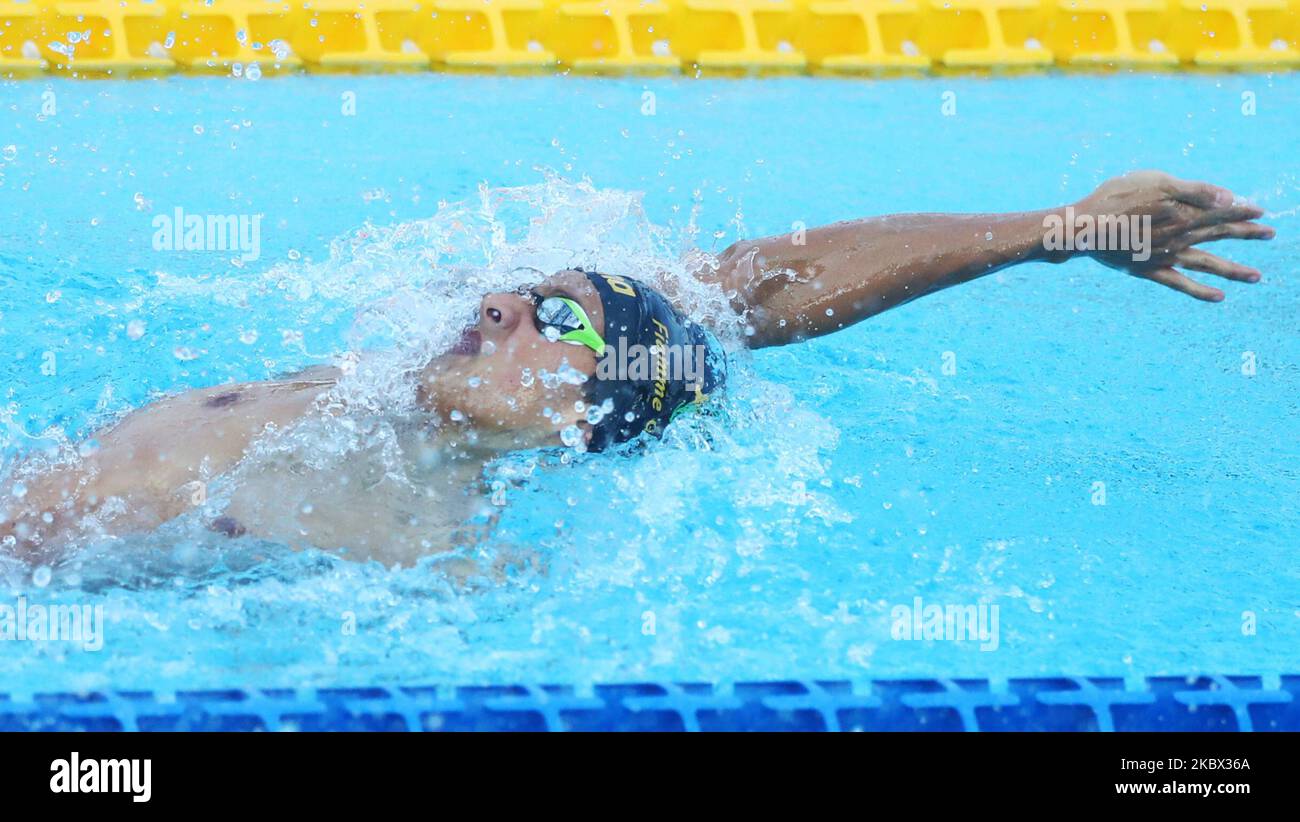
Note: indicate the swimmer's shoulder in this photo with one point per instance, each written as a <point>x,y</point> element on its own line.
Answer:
<point>313,373</point>
<point>232,395</point>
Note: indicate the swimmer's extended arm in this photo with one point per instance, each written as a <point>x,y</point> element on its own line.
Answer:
<point>846,272</point>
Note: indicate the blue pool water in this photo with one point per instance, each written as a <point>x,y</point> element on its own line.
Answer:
<point>848,476</point>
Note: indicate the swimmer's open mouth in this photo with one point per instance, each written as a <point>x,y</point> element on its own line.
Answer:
<point>469,343</point>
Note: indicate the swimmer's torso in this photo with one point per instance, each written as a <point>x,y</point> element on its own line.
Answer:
<point>193,452</point>
<point>394,502</point>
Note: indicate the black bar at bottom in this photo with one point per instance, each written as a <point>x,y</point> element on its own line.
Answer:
<point>213,772</point>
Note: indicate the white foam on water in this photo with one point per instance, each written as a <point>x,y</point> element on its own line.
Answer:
<point>588,523</point>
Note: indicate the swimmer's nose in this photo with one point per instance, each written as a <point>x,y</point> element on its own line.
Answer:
<point>501,314</point>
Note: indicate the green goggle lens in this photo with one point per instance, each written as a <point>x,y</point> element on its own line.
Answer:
<point>563,320</point>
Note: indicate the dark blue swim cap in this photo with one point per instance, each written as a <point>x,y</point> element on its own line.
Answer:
<point>656,363</point>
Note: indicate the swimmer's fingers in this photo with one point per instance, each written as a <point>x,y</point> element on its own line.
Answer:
<point>1202,195</point>
<point>1181,282</point>
<point>1215,204</point>
<point>1229,231</point>
<point>1194,259</point>
<point>1236,213</point>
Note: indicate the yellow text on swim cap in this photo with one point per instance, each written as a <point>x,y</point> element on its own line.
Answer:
<point>619,285</point>
<point>660,361</point>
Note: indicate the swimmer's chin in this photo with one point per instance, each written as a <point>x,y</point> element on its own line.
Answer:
<point>442,379</point>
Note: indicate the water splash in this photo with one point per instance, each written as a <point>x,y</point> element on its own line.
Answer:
<point>563,524</point>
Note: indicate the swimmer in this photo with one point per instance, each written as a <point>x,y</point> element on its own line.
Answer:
<point>481,399</point>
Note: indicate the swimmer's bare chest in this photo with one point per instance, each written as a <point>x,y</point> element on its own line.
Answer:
<point>152,465</point>
<point>364,508</point>
<point>395,496</point>
<point>155,454</point>
<point>167,459</point>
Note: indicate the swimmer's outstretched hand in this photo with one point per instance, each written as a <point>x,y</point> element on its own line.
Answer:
<point>817,281</point>
<point>1183,214</point>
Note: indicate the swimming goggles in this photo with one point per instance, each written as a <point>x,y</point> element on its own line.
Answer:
<point>561,319</point>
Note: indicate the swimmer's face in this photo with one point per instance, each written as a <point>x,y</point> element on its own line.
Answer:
<point>505,375</point>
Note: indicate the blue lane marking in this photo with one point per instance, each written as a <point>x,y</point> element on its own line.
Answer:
<point>1210,702</point>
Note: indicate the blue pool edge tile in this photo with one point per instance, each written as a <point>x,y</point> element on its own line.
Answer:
<point>1065,703</point>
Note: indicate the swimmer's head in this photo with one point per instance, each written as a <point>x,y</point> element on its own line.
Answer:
<point>656,363</point>
<point>506,379</point>
<point>582,355</point>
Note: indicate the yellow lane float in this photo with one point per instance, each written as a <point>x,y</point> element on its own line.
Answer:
<point>123,37</point>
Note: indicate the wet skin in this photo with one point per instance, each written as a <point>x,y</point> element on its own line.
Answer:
<point>158,461</point>
<point>480,402</point>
